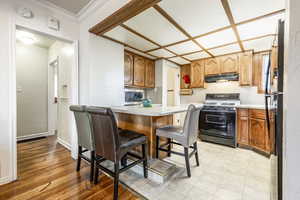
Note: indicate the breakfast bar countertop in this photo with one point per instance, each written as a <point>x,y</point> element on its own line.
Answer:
<point>155,110</point>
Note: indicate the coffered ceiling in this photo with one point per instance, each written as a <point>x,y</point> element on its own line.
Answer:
<point>186,30</point>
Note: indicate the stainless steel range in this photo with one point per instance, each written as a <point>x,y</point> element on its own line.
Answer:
<point>217,121</point>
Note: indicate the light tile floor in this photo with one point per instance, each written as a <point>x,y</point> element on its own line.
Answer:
<point>224,174</point>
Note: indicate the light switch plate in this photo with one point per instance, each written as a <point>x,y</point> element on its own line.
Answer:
<point>53,23</point>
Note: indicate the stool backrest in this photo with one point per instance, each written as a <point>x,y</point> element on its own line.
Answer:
<point>191,124</point>
<point>84,131</point>
<point>105,132</point>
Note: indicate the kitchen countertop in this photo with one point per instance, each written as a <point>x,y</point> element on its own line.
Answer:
<point>251,106</point>
<point>154,111</point>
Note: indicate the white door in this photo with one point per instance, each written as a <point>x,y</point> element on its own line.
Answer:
<point>173,87</point>
<point>53,95</point>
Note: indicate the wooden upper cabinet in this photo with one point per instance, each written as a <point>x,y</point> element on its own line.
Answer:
<point>197,74</point>
<point>245,68</point>
<point>139,71</point>
<point>229,64</point>
<point>212,66</point>
<point>128,69</point>
<point>184,70</point>
<point>149,73</point>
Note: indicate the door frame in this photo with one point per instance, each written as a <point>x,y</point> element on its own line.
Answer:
<point>74,98</point>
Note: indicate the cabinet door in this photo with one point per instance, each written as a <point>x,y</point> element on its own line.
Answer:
<point>212,66</point>
<point>243,126</point>
<point>197,74</point>
<point>229,64</point>
<point>139,71</point>
<point>150,74</point>
<point>128,69</point>
<point>184,70</point>
<point>245,68</point>
<point>258,134</point>
<point>243,133</point>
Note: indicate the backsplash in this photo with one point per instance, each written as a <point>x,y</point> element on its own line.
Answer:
<point>248,95</point>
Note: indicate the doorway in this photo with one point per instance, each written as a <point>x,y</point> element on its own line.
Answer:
<point>46,85</point>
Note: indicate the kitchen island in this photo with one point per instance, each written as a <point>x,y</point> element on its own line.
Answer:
<point>147,120</point>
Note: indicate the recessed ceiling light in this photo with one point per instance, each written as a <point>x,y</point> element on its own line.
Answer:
<point>26,37</point>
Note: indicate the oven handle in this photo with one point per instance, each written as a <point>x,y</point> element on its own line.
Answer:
<point>219,123</point>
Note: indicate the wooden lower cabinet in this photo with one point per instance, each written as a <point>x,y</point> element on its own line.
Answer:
<point>252,130</point>
<point>258,134</point>
<point>243,126</point>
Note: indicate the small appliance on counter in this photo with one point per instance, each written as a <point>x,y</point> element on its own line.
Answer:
<point>147,103</point>
<point>134,97</point>
<point>217,122</point>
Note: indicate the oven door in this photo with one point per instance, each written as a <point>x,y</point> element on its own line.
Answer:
<point>219,124</point>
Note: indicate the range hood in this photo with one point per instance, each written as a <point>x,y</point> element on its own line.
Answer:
<point>222,77</point>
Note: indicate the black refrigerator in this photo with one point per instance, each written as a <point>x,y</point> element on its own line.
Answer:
<point>276,97</point>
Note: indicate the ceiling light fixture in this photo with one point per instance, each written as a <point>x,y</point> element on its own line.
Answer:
<point>26,37</point>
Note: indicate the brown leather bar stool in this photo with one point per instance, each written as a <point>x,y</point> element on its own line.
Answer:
<point>85,137</point>
<point>113,144</point>
<point>185,136</point>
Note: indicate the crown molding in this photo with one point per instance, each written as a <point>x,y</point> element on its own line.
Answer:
<point>56,9</point>
<point>89,8</point>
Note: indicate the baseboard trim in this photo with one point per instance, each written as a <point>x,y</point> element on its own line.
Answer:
<point>63,143</point>
<point>33,136</point>
<point>5,180</point>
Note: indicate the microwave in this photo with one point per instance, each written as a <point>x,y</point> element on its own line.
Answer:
<point>134,96</point>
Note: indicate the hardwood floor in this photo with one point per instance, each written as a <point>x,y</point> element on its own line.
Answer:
<point>47,171</point>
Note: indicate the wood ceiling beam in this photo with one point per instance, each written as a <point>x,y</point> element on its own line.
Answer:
<point>139,34</point>
<point>261,17</point>
<point>172,21</point>
<point>151,41</point>
<point>131,9</point>
<point>223,28</point>
<point>127,45</point>
<point>224,45</point>
<point>228,12</point>
<point>172,61</point>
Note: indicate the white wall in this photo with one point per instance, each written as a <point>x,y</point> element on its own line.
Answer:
<point>69,29</point>
<point>248,95</point>
<point>32,90</point>
<point>101,61</point>
<point>291,176</point>
<point>160,92</point>
<point>106,78</point>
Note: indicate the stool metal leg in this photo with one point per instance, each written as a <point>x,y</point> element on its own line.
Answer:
<point>196,154</point>
<point>79,158</point>
<point>116,181</point>
<point>169,147</point>
<point>157,146</point>
<point>92,165</point>
<point>187,161</point>
<point>144,149</point>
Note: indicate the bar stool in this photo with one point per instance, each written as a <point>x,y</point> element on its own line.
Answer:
<point>85,137</point>
<point>114,144</point>
<point>185,136</point>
